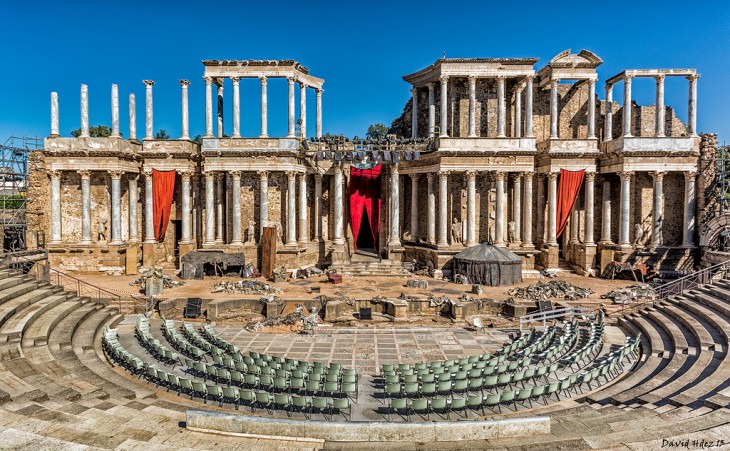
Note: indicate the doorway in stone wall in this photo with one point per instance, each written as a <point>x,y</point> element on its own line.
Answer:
<point>365,204</point>
<point>177,228</point>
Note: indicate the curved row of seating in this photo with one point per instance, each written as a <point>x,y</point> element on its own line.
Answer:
<point>178,342</point>
<point>151,344</point>
<point>210,334</point>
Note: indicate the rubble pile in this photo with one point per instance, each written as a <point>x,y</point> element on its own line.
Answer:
<point>306,273</point>
<point>417,283</point>
<point>292,319</point>
<point>625,295</point>
<point>542,291</point>
<point>157,273</point>
<point>244,287</point>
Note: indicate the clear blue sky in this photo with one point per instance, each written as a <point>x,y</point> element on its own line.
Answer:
<point>361,49</point>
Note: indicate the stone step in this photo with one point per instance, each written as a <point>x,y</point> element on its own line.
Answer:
<point>13,329</point>
<point>11,307</point>
<point>36,334</point>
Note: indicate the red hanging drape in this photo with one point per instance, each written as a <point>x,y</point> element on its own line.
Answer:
<point>365,195</point>
<point>568,189</point>
<point>163,185</point>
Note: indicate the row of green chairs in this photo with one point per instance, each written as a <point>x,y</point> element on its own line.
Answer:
<point>116,352</point>
<point>179,343</point>
<point>196,340</point>
<point>151,344</point>
<point>589,349</point>
<point>210,334</point>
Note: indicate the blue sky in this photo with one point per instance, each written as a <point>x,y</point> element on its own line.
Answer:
<point>361,50</point>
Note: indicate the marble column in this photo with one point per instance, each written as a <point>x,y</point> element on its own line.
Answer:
<point>606,213</point>
<point>431,210</point>
<point>197,211</point>
<point>55,206</point>
<point>589,198</point>
<point>236,233</point>
<point>85,175</point>
<point>554,134</point>
<point>501,107</point>
<point>552,209</point>
<point>318,105</point>
<point>235,82</point>
<point>291,131</point>
<point>660,123</point>
<point>471,207</point>
<point>689,209</point>
<point>149,222</point>
<point>264,107</point>
<point>220,109</point>
<point>186,237</point>
<point>317,206</point>
<point>692,105</point>
<point>54,115</point>
<point>625,221</point>
<point>185,120</point>
<point>303,230</point>
<point>209,208</point>
<point>517,205</point>
<point>527,212</point>
<point>443,209</point>
<point>499,214</point>
<point>303,109</point>
<point>291,208</point>
<point>472,107</point>
<point>528,108</point>
<point>133,198</point>
<point>591,109</point>
<point>443,116</point>
<point>414,112</point>
<point>431,110</point>
<point>414,206</point>
<point>132,118</point>
<point>220,178</point>
<point>263,200</point>
<point>116,178</point>
<point>149,120</point>
<point>627,107</point>
<point>394,206</point>
<point>84,112</point>
<point>115,112</point>
<point>657,214</point>
<point>608,126</point>
<point>208,107</point>
<point>338,210</point>
<point>518,113</point>
<point>574,223</point>
<point>541,205</point>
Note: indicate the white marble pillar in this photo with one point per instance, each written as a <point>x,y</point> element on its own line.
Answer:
<point>472,107</point>
<point>132,118</point>
<point>184,118</point>
<point>264,107</point>
<point>186,237</point>
<point>394,206</point>
<point>84,112</point>
<point>116,201</point>
<point>431,110</point>
<point>208,107</point>
<point>235,83</point>
<point>85,175</point>
<point>517,206</point>
<point>443,209</point>
<point>627,107</point>
<point>527,212</point>
<point>414,206</point>
<point>414,112</point>
<point>552,208</point>
<point>303,109</point>
<point>589,199</point>
<point>149,221</point>
<point>541,205</point>
<point>606,213</point>
<point>236,232</point>
<point>220,110</point>
<point>689,209</point>
<point>133,199</point>
<point>660,122</point>
<point>55,206</point>
<point>291,131</point>
<point>518,113</point>
<point>115,112</point>
<point>574,223</point>
<point>263,200</point>
<point>528,108</point>
<point>318,106</point>
<point>471,207</point>
<point>317,206</point>
<point>291,208</point>
<point>692,105</point>
<point>54,115</point>
<point>554,133</point>
<point>443,116</point>
<point>625,221</point>
<point>591,109</point>
<point>197,211</point>
<point>431,210</point>
<point>209,208</point>
<point>220,178</point>
<point>499,221</point>
<point>338,208</point>
<point>303,230</point>
<point>608,126</point>
<point>657,214</point>
<point>501,107</point>
<point>149,120</point>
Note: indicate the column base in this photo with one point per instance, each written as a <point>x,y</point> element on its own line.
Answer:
<point>83,242</point>
<point>527,246</point>
<point>263,135</point>
<point>116,243</point>
<point>689,245</point>
<point>500,245</point>
<point>236,243</point>
<point>149,241</point>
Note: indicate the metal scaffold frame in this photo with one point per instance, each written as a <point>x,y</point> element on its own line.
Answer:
<point>14,187</point>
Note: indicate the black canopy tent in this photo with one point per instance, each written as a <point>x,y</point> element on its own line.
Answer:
<point>486,264</point>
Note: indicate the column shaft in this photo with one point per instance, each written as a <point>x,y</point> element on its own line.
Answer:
<point>574,223</point>
<point>527,212</point>
<point>589,200</point>
<point>414,207</point>
<point>55,206</point>
<point>552,208</point>
<point>209,208</point>
<point>208,107</point>
<point>184,117</point>
<point>291,109</point>
<point>657,216</point>
<point>518,113</point>
<point>625,222</point>
<point>85,207</point>
<point>291,208</point>
<point>499,207</point>
<point>84,112</point>
<point>236,233</point>
<point>220,110</point>
<point>132,118</point>
<point>54,115</point>
<point>554,109</point>
<point>149,223</point>
<point>660,124</point>
<point>692,105</point>
<point>431,110</point>
<point>689,209</point>
<point>541,205</point>
<point>116,207</point>
<point>394,206</point>
<point>339,217</point>
<point>591,109</point>
<point>219,203</point>
<point>471,203</point>
<point>303,230</point>
<point>185,207</point>
<point>318,105</point>
<point>235,81</point>
<point>517,205</point>
<point>115,112</point>
<point>431,211</point>
<point>608,132</point>
<point>501,107</point>
<point>263,200</point>
<point>133,198</point>
<point>528,108</point>
<point>264,107</point>
<point>472,107</point>
<point>443,116</point>
<point>627,107</point>
<point>606,213</point>
<point>317,207</point>
<point>303,109</point>
<point>149,120</point>
<point>443,209</point>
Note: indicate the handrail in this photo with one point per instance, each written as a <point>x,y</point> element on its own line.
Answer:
<point>545,315</point>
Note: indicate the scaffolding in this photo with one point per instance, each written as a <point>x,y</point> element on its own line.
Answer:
<point>14,188</point>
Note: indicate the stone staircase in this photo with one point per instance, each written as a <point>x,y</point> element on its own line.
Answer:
<point>368,266</point>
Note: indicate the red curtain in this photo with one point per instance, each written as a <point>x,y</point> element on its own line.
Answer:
<point>163,185</point>
<point>568,188</point>
<point>365,195</point>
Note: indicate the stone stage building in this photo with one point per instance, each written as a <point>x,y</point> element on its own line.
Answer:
<point>487,140</point>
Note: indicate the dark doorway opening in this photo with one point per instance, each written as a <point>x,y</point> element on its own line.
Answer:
<point>365,241</point>
<point>177,223</point>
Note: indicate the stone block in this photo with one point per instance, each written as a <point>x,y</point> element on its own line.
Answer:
<point>131,260</point>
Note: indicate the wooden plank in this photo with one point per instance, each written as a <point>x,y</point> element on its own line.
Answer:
<point>268,252</point>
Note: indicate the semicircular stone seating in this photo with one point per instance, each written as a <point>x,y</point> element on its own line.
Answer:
<point>72,374</point>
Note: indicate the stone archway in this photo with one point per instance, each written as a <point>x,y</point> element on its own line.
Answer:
<point>713,228</point>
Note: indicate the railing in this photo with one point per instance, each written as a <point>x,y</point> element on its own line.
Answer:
<point>545,315</point>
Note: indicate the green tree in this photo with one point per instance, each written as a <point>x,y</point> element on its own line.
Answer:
<point>97,131</point>
<point>162,134</point>
<point>377,131</point>
<point>198,140</point>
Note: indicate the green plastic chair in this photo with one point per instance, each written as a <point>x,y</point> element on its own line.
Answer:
<point>300,404</point>
<point>508,397</point>
<point>399,404</point>
<point>419,406</point>
<point>439,406</point>
<point>283,401</point>
<point>341,405</point>
<point>493,399</point>
<point>200,390</point>
<point>457,404</point>
<point>444,388</point>
<point>475,402</point>
<point>428,389</point>
<point>523,396</point>
<point>263,399</point>
<point>231,395</point>
<point>321,405</point>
